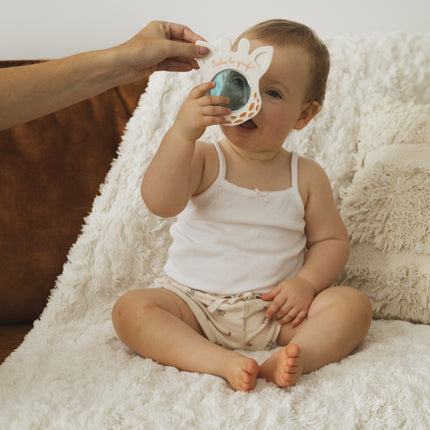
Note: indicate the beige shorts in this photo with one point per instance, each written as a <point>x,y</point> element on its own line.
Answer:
<point>234,322</point>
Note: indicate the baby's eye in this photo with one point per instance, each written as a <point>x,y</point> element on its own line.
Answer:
<point>273,93</point>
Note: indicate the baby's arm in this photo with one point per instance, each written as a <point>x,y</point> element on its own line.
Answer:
<point>328,249</point>
<point>327,237</point>
<point>176,171</point>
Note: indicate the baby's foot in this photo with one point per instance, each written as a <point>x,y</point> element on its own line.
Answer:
<point>290,365</point>
<point>242,373</point>
<point>285,367</point>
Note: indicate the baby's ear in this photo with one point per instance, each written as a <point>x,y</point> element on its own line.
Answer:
<point>307,114</point>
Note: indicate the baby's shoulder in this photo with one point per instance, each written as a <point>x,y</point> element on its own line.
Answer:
<point>311,177</point>
<point>309,168</point>
<point>210,164</point>
<point>206,147</point>
<point>207,151</point>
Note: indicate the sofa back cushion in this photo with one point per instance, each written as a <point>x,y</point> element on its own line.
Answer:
<point>387,210</point>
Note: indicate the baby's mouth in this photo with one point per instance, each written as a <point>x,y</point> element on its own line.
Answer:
<point>249,125</point>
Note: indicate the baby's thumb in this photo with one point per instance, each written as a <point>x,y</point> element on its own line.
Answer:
<point>270,295</point>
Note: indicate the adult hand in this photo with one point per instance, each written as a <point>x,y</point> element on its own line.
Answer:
<point>29,92</point>
<point>162,46</point>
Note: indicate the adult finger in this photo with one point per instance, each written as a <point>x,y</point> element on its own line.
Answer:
<point>180,32</point>
<point>174,65</point>
<point>185,50</point>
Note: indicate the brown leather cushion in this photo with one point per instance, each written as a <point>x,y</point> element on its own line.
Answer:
<point>51,169</point>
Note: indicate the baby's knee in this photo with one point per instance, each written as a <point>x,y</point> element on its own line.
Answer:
<point>361,301</point>
<point>358,304</point>
<point>346,299</point>
<point>124,308</point>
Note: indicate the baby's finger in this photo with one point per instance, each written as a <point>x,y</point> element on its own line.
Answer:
<point>208,120</point>
<point>214,120</point>
<point>216,111</point>
<point>287,315</point>
<point>201,90</point>
<point>214,100</point>
<point>275,306</point>
<point>284,320</point>
<point>298,319</point>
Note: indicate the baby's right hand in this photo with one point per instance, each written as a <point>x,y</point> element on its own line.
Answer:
<point>200,111</point>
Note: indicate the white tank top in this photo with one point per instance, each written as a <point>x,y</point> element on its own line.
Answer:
<point>230,240</point>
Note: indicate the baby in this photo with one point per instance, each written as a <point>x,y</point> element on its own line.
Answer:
<point>258,240</point>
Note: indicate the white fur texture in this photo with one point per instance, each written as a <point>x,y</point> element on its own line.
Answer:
<point>72,372</point>
<point>387,210</point>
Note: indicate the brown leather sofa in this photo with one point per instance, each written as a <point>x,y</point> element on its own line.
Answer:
<point>50,171</point>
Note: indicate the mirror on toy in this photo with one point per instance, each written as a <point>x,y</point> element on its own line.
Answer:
<point>232,84</point>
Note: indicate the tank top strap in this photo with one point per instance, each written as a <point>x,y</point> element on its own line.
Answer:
<point>294,171</point>
<point>222,162</point>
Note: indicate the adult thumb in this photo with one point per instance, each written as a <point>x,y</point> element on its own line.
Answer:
<point>187,50</point>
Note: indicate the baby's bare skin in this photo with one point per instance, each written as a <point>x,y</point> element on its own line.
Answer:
<point>285,367</point>
<point>242,373</point>
<point>320,325</point>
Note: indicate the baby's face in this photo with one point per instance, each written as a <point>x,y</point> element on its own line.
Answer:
<point>283,90</point>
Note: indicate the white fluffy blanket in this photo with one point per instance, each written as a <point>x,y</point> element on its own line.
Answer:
<point>72,372</point>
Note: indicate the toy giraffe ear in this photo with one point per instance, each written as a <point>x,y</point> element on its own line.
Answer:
<point>243,46</point>
<point>263,57</point>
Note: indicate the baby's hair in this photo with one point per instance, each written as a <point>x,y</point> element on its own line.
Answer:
<point>281,32</point>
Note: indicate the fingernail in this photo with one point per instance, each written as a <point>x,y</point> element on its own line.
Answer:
<point>203,50</point>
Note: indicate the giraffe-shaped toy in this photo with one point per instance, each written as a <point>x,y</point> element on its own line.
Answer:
<point>237,75</point>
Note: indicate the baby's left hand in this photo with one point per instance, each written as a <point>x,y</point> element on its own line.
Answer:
<point>291,300</point>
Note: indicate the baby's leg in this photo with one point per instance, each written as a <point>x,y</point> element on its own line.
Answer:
<point>338,320</point>
<point>158,324</point>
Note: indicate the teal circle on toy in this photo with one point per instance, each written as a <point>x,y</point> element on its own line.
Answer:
<point>232,84</point>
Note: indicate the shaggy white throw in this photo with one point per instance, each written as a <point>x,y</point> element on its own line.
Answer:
<point>72,372</point>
